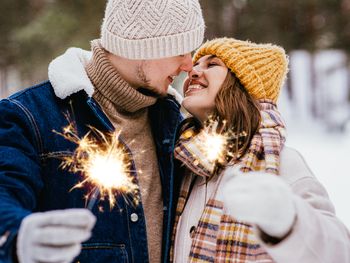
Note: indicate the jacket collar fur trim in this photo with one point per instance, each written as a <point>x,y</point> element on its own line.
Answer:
<point>67,74</point>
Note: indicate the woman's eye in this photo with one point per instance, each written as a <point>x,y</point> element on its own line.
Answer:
<point>212,64</point>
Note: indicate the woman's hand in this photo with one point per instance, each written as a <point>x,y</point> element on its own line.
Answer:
<point>258,198</point>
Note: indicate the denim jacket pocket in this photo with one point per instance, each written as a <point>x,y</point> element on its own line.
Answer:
<point>102,253</point>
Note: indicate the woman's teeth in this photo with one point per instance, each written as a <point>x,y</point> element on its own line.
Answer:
<point>194,88</point>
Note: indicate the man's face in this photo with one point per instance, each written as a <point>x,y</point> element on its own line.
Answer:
<point>156,75</point>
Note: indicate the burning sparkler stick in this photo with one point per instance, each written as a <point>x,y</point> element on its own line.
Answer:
<point>104,163</point>
<point>93,198</point>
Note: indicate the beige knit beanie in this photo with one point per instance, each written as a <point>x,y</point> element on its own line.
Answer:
<point>151,29</point>
<point>261,68</point>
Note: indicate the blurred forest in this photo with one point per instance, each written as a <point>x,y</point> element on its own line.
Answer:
<point>33,32</point>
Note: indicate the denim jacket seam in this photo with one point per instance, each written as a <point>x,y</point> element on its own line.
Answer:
<point>168,227</point>
<point>99,113</point>
<point>30,89</point>
<point>31,120</point>
<point>131,245</point>
<point>49,155</point>
<point>102,245</point>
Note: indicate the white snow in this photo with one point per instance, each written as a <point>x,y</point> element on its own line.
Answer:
<point>320,140</point>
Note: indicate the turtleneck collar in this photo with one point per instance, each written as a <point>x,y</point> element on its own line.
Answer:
<point>110,88</point>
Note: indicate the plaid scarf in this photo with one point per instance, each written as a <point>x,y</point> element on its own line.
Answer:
<point>262,155</point>
<point>219,237</point>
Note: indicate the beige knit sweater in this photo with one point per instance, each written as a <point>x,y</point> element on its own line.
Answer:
<point>127,109</point>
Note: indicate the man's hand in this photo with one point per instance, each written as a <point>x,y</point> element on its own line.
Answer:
<point>259,199</point>
<point>54,236</point>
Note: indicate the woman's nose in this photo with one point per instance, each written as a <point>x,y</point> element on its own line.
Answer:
<point>195,73</point>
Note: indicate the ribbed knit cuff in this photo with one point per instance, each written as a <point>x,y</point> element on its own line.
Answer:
<point>153,48</point>
<point>110,88</point>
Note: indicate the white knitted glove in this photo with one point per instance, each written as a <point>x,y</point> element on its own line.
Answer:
<point>258,198</point>
<point>53,236</point>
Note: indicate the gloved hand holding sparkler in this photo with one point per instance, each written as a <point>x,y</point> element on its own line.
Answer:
<point>54,236</point>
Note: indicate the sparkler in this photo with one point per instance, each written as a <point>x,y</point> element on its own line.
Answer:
<point>104,163</point>
<point>214,145</point>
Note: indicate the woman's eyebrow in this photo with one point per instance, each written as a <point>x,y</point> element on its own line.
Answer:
<point>215,58</point>
<point>206,59</point>
<point>211,57</point>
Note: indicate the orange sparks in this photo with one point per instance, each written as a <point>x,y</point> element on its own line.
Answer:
<point>104,163</point>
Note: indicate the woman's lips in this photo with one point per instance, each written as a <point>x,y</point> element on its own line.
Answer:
<point>193,84</point>
<point>193,89</point>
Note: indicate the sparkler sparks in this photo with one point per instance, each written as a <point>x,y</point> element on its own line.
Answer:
<point>213,146</point>
<point>104,163</point>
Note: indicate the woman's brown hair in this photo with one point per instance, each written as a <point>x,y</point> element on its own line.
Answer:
<point>240,112</point>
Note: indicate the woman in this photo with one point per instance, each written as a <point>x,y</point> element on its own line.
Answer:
<point>278,211</point>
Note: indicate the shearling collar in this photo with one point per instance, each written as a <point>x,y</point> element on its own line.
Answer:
<point>67,74</point>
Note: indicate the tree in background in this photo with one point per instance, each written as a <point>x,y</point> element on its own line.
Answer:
<point>310,25</point>
<point>54,26</point>
<point>13,15</point>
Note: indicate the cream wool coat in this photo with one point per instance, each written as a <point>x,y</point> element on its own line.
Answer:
<point>317,236</point>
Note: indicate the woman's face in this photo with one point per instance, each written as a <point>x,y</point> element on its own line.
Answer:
<point>202,85</point>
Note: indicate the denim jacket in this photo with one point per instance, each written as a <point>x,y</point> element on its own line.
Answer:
<point>31,179</point>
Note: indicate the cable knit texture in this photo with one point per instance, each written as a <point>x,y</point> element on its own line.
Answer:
<point>127,109</point>
<point>261,68</point>
<point>110,88</point>
<point>151,29</point>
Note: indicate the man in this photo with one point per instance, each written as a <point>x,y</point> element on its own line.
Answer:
<point>122,84</point>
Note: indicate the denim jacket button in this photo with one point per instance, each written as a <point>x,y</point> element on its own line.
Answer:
<point>134,217</point>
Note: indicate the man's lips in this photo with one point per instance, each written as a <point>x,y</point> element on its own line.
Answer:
<point>171,78</point>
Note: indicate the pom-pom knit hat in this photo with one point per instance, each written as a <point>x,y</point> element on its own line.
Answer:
<point>152,29</point>
<point>261,68</point>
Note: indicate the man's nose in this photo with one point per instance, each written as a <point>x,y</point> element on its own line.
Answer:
<point>187,63</point>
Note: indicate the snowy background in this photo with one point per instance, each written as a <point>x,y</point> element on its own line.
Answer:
<point>324,141</point>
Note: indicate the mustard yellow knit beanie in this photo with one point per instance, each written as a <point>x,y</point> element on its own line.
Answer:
<point>261,68</point>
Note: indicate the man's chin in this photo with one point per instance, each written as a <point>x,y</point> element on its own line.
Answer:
<point>152,93</point>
